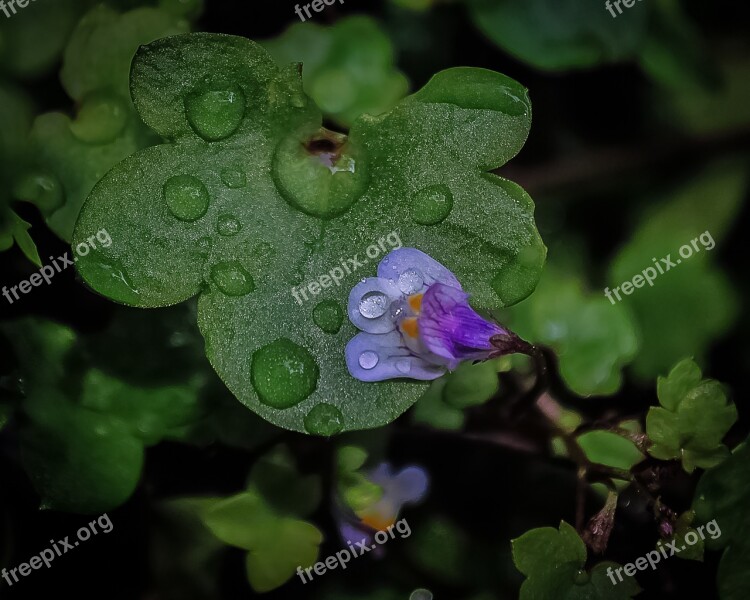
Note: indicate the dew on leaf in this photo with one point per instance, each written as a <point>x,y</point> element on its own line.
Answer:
<point>186,197</point>
<point>204,245</point>
<point>328,315</point>
<point>431,205</point>
<point>368,360</point>
<point>324,419</point>
<point>232,278</point>
<point>233,177</point>
<point>216,114</point>
<point>283,373</point>
<point>320,174</point>
<point>228,225</point>
<point>374,305</point>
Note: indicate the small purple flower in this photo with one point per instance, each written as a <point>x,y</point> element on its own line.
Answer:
<point>407,486</point>
<point>417,322</point>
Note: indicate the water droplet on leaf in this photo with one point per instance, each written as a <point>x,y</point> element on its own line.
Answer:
<point>283,373</point>
<point>432,204</point>
<point>216,114</point>
<point>328,315</point>
<point>228,225</point>
<point>324,419</point>
<point>186,197</point>
<point>233,178</point>
<point>232,278</point>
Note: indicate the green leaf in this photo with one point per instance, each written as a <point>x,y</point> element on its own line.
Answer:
<point>348,68</point>
<point>694,418</point>
<point>673,52</point>
<point>33,39</point>
<point>561,34</point>
<point>672,312</point>
<point>169,208</point>
<point>593,339</point>
<point>721,501</point>
<point>553,562</point>
<point>683,527</point>
<point>78,460</point>
<point>610,449</point>
<point>19,230</point>
<point>295,544</point>
<point>275,476</point>
<point>431,409</point>
<point>71,155</point>
<point>471,385</point>
<point>152,414</point>
<point>276,545</point>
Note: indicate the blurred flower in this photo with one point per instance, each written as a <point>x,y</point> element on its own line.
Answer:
<point>363,520</point>
<point>417,322</point>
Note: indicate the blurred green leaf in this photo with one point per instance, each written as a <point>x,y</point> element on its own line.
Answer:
<point>553,562</point>
<point>348,68</point>
<point>721,501</point>
<point>694,418</point>
<point>672,313</point>
<point>593,340</point>
<point>561,34</point>
<point>275,476</point>
<point>276,545</point>
<point>610,449</point>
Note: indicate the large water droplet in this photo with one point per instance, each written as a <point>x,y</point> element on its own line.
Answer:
<point>324,419</point>
<point>228,225</point>
<point>374,305</point>
<point>432,204</point>
<point>186,197</point>
<point>216,114</point>
<point>283,373</point>
<point>410,281</point>
<point>233,177</point>
<point>328,315</point>
<point>368,360</point>
<point>320,173</point>
<point>232,278</point>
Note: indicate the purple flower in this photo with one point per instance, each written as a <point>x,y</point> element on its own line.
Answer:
<point>407,486</point>
<point>417,322</point>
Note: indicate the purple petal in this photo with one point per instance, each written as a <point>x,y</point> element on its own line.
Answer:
<point>450,328</point>
<point>370,305</point>
<point>409,485</point>
<point>412,271</point>
<point>372,357</point>
<point>352,534</point>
